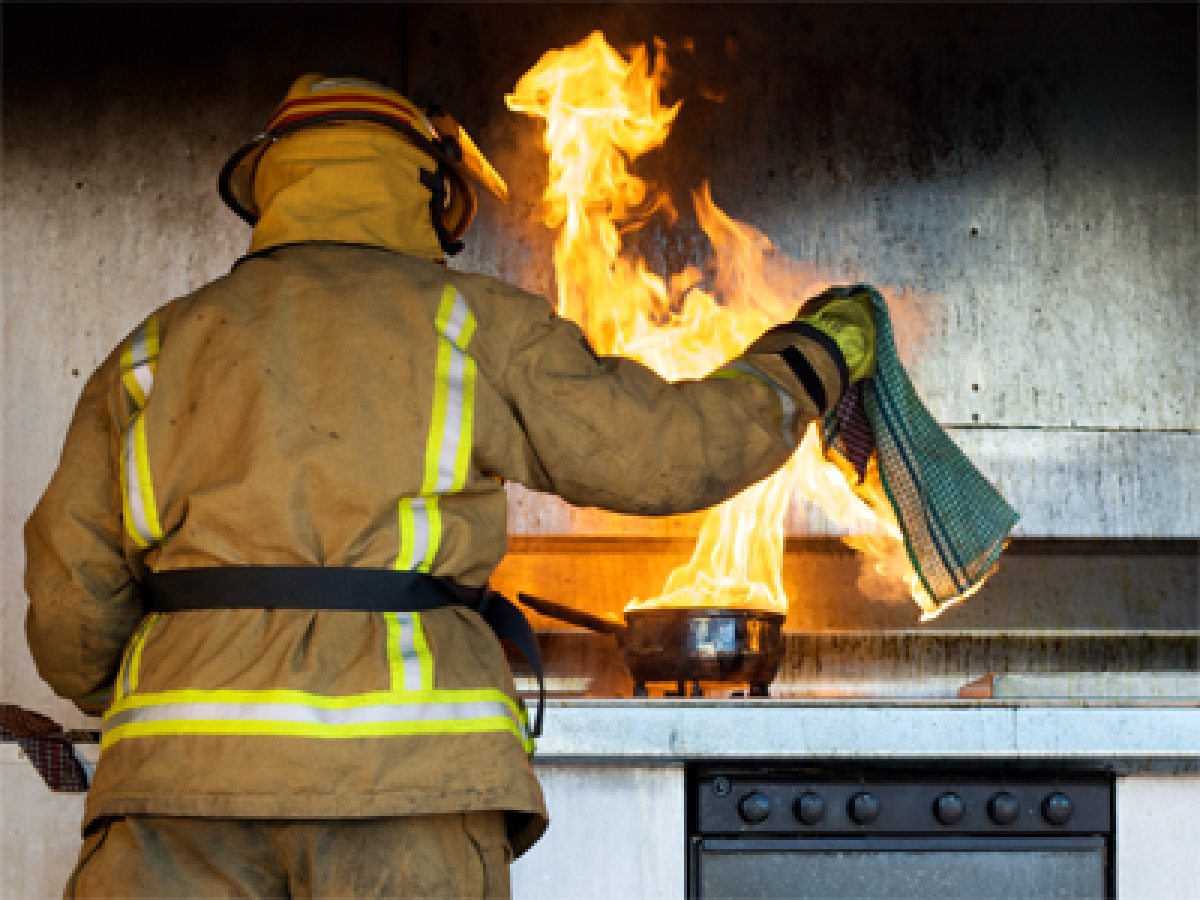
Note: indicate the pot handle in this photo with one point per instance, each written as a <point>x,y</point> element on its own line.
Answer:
<point>573,616</point>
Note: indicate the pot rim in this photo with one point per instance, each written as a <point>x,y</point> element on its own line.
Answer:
<point>704,612</point>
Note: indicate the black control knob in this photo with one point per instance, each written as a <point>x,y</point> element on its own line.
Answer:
<point>949,808</point>
<point>809,808</point>
<point>864,808</point>
<point>1004,808</point>
<point>1057,809</point>
<point>754,807</point>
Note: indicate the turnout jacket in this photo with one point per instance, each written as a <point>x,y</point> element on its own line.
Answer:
<point>328,404</point>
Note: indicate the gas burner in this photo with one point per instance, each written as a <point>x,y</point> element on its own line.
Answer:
<point>683,689</point>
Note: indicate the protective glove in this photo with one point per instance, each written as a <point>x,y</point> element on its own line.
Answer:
<point>849,320</point>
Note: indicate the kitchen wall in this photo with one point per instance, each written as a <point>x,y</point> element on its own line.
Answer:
<point>1025,178</point>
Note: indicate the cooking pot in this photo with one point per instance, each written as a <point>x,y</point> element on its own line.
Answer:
<point>682,644</point>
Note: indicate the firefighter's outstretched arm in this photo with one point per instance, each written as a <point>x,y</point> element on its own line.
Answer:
<point>609,433</point>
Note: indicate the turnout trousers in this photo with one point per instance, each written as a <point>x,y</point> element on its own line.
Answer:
<point>449,855</point>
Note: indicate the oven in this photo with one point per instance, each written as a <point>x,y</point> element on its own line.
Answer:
<point>805,831</point>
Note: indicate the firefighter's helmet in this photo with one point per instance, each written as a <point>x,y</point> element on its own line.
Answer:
<point>317,100</point>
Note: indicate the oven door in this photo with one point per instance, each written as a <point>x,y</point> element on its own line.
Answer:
<point>965,868</point>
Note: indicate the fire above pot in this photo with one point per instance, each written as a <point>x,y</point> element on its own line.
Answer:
<point>682,644</point>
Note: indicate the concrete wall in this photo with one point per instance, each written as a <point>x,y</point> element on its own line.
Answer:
<point>39,831</point>
<point>1028,177</point>
<point>617,831</point>
<point>1157,837</point>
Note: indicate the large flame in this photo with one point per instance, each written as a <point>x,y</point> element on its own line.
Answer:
<point>602,110</point>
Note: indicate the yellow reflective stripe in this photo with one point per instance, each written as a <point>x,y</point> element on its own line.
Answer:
<point>122,686</point>
<point>395,661</point>
<point>466,431</point>
<point>139,363</point>
<point>451,431</point>
<point>145,485</point>
<point>433,518</point>
<point>420,533</point>
<point>135,664</point>
<point>243,727</point>
<point>736,375</point>
<point>454,398</point>
<point>289,697</point>
<point>409,660</point>
<point>128,378</point>
<point>130,660</point>
<point>437,426</point>
<point>297,713</point>
<point>424,656</point>
<point>152,338</point>
<point>468,329</point>
<point>119,689</point>
<point>409,536</point>
<point>526,741</point>
<point>127,494</point>
<point>139,504</point>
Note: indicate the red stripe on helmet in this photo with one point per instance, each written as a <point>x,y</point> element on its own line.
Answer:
<point>300,117</point>
<point>404,113</point>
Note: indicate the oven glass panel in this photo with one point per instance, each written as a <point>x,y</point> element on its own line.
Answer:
<point>987,872</point>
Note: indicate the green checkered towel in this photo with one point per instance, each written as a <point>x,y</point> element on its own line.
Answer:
<point>955,523</point>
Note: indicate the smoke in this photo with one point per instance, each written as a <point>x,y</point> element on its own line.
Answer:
<point>915,317</point>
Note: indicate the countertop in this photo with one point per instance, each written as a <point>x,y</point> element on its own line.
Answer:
<point>1123,736</point>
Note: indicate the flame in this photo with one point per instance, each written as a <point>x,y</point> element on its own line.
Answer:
<point>602,110</point>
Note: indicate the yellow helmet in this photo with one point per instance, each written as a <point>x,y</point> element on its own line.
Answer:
<point>315,99</point>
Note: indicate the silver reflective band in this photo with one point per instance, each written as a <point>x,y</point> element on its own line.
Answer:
<point>142,372</point>
<point>409,658</point>
<point>134,486</point>
<point>456,375</point>
<point>453,435</point>
<point>127,675</point>
<point>421,531</point>
<point>458,319</point>
<point>300,714</point>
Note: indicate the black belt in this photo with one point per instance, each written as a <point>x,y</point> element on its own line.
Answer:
<point>315,587</point>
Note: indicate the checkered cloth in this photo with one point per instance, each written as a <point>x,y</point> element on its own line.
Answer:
<point>855,440</point>
<point>48,747</point>
<point>955,523</point>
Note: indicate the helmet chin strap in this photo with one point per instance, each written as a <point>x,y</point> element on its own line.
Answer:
<point>435,181</point>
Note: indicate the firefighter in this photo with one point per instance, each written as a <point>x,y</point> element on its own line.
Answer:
<point>263,555</point>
